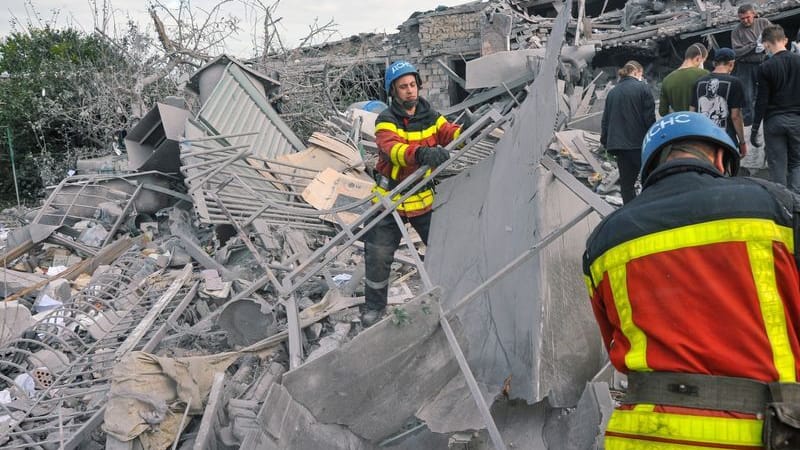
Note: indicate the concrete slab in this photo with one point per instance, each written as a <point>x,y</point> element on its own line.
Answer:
<point>376,382</point>
<point>502,67</point>
<point>287,424</point>
<point>582,427</point>
<point>12,281</point>
<point>453,409</point>
<point>535,324</point>
<point>14,319</point>
<point>495,33</point>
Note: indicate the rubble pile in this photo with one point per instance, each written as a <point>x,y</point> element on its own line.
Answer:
<point>208,297</point>
<point>639,23</point>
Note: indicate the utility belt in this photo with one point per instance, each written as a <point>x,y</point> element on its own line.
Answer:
<point>389,184</point>
<point>778,403</point>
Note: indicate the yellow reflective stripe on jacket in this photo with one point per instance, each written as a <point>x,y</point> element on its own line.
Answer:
<point>714,232</point>
<point>398,155</point>
<point>620,443</point>
<point>636,357</point>
<point>759,234</point>
<point>721,431</point>
<point>411,136</point>
<point>417,202</point>
<point>762,264</point>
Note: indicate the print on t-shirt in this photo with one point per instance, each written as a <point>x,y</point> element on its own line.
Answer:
<point>712,104</point>
<point>715,95</point>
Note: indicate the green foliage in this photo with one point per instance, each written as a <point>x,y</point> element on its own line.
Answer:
<point>44,71</point>
<point>400,317</point>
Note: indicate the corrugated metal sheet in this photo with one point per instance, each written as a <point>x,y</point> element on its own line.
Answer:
<point>236,106</point>
<point>245,184</point>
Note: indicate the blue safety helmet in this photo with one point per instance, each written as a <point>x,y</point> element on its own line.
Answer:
<point>397,70</point>
<point>685,125</point>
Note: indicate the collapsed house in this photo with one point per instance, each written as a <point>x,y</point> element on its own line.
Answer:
<point>208,296</point>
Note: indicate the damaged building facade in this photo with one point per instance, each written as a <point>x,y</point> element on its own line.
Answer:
<point>207,297</point>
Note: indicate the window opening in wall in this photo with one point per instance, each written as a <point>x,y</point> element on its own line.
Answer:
<point>459,66</point>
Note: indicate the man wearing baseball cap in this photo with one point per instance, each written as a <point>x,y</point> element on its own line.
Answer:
<point>721,97</point>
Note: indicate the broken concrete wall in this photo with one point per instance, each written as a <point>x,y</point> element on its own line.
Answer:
<point>372,384</point>
<point>449,35</point>
<point>534,327</point>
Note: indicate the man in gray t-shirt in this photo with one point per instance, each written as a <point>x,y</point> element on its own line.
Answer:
<point>746,43</point>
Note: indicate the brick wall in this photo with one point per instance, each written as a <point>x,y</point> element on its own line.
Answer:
<point>445,36</point>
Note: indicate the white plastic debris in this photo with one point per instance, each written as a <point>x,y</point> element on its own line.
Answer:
<point>342,278</point>
<point>47,303</point>
<point>55,270</point>
<point>26,383</point>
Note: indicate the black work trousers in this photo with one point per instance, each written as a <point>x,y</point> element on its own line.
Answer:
<point>747,72</point>
<point>381,243</point>
<point>629,163</point>
<point>782,148</point>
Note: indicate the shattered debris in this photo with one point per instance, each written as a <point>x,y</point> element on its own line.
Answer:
<point>206,293</point>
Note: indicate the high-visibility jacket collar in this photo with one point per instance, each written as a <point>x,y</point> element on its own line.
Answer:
<point>679,166</point>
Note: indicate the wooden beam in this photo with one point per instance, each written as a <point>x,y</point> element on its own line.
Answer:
<point>105,256</point>
<point>16,252</point>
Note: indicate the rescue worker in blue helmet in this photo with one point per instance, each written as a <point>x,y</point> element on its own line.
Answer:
<point>409,134</point>
<point>695,288</point>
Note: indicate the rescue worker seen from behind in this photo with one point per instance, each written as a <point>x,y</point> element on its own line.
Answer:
<point>629,111</point>
<point>695,288</point>
<point>409,134</point>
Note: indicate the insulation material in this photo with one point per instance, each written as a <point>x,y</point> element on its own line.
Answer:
<point>147,390</point>
<point>333,190</point>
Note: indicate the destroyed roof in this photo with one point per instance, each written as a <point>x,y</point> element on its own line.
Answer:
<point>443,11</point>
<point>269,83</point>
<point>638,24</point>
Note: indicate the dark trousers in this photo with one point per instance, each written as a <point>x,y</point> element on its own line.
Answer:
<point>629,163</point>
<point>782,148</point>
<point>379,247</point>
<point>748,73</point>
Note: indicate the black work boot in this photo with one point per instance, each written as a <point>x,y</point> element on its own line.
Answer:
<point>371,316</point>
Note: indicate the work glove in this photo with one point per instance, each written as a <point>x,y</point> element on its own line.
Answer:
<point>431,156</point>
<point>755,138</point>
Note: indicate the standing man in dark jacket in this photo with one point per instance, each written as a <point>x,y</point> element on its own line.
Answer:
<point>746,43</point>
<point>778,104</point>
<point>629,111</point>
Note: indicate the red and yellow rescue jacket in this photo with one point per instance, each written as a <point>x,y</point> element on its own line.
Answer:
<point>398,136</point>
<point>696,275</point>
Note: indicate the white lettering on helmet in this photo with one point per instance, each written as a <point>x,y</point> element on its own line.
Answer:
<point>664,123</point>
<point>399,66</point>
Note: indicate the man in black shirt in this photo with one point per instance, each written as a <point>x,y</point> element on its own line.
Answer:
<point>778,104</point>
<point>720,97</point>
